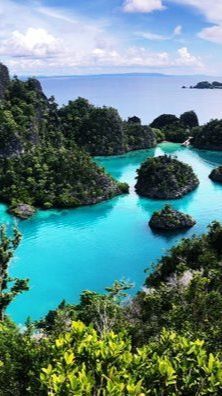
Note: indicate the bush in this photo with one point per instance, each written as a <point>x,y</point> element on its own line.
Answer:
<point>86,363</point>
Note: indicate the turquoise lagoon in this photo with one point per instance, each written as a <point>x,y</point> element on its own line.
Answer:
<point>64,252</point>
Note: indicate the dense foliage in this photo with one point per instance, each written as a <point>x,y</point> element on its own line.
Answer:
<point>101,131</point>
<point>9,287</point>
<point>189,119</point>
<point>98,130</point>
<point>208,136</point>
<point>40,164</point>
<point>160,136</point>
<point>165,177</point>
<point>50,177</point>
<point>85,363</point>
<point>176,129</point>
<point>138,136</point>
<point>163,120</point>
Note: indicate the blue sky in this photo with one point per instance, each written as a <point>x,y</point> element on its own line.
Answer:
<point>111,36</point>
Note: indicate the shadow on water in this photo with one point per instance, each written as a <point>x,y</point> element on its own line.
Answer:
<point>170,235</point>
<point>211,157</point>
<point>78,218</point>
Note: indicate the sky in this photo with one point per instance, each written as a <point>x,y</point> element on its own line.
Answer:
<point>68,37</point>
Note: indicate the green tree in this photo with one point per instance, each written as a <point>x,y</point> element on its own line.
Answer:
<point>9,287</point>
<point>189,119</point>
<point>104,311</point>
<point>164,120</point>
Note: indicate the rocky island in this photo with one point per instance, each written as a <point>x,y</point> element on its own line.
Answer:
<point>216,174</point>
<point>41,163</point>
<point>165,177</point>
<point>169,219</point>
<point>207,85</point>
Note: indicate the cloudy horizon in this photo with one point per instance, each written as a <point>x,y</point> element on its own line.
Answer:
<point>55,37</point>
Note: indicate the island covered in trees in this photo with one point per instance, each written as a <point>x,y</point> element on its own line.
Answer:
<point>169,219</point>
<point>165,177</point>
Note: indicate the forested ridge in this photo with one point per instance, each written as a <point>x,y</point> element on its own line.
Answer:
<point>41,163</point>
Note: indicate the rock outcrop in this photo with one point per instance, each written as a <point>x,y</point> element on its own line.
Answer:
<point>22,210</point>
<point>165,177</point>
<point>169,219</point>
<point>4,80</point>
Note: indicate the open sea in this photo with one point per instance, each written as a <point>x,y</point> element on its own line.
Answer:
<point>64,252</point>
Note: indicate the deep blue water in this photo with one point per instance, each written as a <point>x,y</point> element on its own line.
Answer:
<point>65,252</point>
<point>144,96</point>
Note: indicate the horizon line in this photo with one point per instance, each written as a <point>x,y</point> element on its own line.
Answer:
<point>149,74</point>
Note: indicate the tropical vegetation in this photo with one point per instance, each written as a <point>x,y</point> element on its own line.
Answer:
<point>176,129</point>
<point>165,177</point>
<point>208,136</point>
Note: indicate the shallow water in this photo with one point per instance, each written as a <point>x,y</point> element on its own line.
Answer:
<point>66,252</point>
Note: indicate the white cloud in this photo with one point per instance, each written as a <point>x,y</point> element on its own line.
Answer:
<point>34,42</point>
<point>212,9</point>
<point>51,41</point>
<point>100,58</point>
<point>160,37</point>
<point>178,30</point>
<point>143,6</point>
<point>213,34</point>
<point>187,59</point>
<point>151,36</point>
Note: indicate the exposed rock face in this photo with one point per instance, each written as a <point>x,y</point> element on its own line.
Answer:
<point>169,219</point>
<point>4,80</point>
<point>216,174</point>
<point>165,178</point>
<point>23,211</point>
